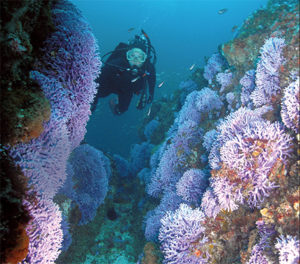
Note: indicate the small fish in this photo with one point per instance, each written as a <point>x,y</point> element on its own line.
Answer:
<point>135,79</point>
<point>222,11</point>
<point>149,111</point>
<point>131,29</point>
<point>161,84</point>
<point>192,67</point>
<point>234,28</point>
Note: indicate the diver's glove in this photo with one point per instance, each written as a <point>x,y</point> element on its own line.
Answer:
<point>150,99</point>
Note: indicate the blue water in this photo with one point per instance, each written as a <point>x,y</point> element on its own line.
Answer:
<point>183,32</point>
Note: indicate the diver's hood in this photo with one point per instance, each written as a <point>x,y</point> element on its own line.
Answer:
<point>138,44</point>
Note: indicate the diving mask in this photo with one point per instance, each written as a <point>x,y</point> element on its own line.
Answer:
<point>136,55</point>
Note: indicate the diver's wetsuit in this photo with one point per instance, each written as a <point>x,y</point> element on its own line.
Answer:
<point>115,78</point>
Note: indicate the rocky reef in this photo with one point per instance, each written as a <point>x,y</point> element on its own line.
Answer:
<point>237,133</point>
<point>215,178</point>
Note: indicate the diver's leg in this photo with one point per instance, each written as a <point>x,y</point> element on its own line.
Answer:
<point>101,92</point>
<point>124,101</point>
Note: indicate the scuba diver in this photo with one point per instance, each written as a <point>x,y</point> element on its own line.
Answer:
<point>128,70</point>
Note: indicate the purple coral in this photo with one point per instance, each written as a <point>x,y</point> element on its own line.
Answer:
<point>186,87</point>
<point>253,152</point>
<point>139,156</point>
<point>59,97</point>
<point>174,159</point>
<point>290,106</point>
<point>230,98</point>
<point>188,135</point>
<point>167,173</point>
<point>257,256</point>
<point>145,175</point>
<point>267,72</point>
<point>152,224</point>
<point>189,110</point>
<point>87,181</point>
<point>248,85</point>
<point>198,104</point>
<point>67,241</point>
<point>192,185</point>
<point>43,160</point>
<point>231,126</point>
<point>44,231</point>
<point>213,66</point>
<point>170,202</point>
<point>71,58</point>
<point>181,235</point>
<point>208,101</point>
<point>250,146</point>
<point>66,73</point>
<point>288,248</point>
<point>210,203</point>
<point>228,196</point>
<point>224,79</point>
<point>150,128</point>
<point>266,232</point>
<point>122,166</point>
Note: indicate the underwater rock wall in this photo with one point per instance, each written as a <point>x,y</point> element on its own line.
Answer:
<point>225,175</point>
<point>246,146</point>
<point>50,61</point>
<point>24,27</point>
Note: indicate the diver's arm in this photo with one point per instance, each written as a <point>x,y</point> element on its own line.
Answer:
<point>104,87</point>
<point>151,80</point>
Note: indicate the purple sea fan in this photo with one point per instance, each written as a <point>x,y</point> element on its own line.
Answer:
<point>250,146</point>
<point>267,74</point>
<point>43,160</point>
<point>253,152</point>
<point>71,58</point>
<point>175,158</point>
<point>182,236</point>
<point>257,256</point>
<point>207,101</point>
<point>88,183</point>
<point>153,187</point>
<point>290,106</point>
<point>188,135</point>
<point>248,85</point>
<point>59,97</point>
<point>235,123</point>
<point>228,195</point>
<point>44,231</point>
<point>261,137</point>
<point>213,66</point>
<point>214,159</point>
<point>224,79</point>
<point>230,127</point>
<point>150,128</point>
<point>186,87</point>
<point>288,248</point>
<point>210,203</point>
<point>139,156</point>
<point>209,139</point>
<point>152,224</point>
<point>170,201</point>
<point>189,110</point>
<point>167,174</point>
<point>230,98</point>
<point>122,166</point>
<point>192,185</point>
